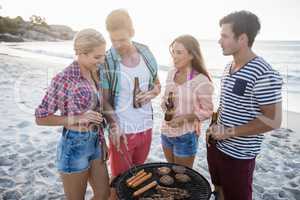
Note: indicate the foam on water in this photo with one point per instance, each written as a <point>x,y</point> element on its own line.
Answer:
<point>283,56</point>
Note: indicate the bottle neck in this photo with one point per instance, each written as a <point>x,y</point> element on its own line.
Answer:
<point>136,82</point>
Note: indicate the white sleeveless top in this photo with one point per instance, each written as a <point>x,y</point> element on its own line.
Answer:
<point>133,120</point>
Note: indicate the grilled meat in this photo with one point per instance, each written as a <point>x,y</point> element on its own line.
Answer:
<point>166,180</point>
<point>179,169</point>
<point>182,178</point>
<point>176,193</point>
<point>163,170</point>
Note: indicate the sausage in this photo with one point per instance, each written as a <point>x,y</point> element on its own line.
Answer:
<point>135,176</point>
<point>141,180</point>
<point>145,188</point>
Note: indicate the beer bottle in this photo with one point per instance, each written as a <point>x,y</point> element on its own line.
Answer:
<point>136,91</point>
<point>170,107</point>
<point>214,119</point>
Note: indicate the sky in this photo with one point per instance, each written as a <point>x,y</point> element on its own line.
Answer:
<point>163,20</point>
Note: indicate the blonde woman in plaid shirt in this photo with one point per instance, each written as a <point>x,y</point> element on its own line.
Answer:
<point>74,92</point>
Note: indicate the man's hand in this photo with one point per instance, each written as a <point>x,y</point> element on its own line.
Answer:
<point>144,97</point>
<point>219,132</point>
<point>117,136</point>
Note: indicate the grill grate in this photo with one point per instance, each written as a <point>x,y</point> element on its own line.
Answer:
<point>198,187</point>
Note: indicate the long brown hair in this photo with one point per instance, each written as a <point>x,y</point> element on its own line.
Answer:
<point>193,47</point>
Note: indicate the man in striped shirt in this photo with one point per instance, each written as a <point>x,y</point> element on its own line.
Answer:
<point>250,105</point>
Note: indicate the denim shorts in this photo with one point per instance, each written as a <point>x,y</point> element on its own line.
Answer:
<point>182,146</point>
<point>76,150</point>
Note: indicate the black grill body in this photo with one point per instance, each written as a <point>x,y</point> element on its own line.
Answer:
<point>199,188</point>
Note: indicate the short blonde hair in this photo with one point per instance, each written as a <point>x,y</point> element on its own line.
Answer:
<point>86,40</point>
<point>118,19</point>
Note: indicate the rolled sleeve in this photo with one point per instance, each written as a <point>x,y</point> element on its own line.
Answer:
<point>203,103</point>
<point>49,103</point>
<point>268,87</point>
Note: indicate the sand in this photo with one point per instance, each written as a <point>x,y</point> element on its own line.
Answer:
<point>27,157</point>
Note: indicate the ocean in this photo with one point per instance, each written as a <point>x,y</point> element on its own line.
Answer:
<point>284,56</point>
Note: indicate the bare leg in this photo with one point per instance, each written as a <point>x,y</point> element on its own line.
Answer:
<point>169,155</point>
<point>113,192</point>
<point>75,185</point>
<point>98,178</point>
<point>186,161</point>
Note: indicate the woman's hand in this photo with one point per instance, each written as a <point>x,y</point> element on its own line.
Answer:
<point>179,120</point>
<point>88,117</point>
<point>176,122</point>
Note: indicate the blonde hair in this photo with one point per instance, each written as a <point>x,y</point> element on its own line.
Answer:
<point>118,19</point>
<point>86,40</point>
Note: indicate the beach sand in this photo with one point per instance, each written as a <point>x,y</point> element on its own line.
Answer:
<point>27,157</point>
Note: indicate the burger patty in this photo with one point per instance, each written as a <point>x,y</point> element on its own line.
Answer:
<point>179,169</point>
<point>163,170</point>
<point>183,178</point>
<point>166,180</point>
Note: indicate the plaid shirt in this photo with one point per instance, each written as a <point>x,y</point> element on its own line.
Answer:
<point>69,92</point>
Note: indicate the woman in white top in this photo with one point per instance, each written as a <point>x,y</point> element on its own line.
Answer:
<point>191,85</point>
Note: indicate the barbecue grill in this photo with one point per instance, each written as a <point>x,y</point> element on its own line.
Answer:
<point>198,187</point>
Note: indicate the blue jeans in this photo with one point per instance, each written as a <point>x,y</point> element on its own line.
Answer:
<point>182,146</point>
<point>76,150</point>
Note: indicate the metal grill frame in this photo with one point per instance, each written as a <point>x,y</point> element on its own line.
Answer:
<point>199,187</point>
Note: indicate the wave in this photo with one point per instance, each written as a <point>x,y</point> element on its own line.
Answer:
<point>291,76</point>
<point>47,53</point>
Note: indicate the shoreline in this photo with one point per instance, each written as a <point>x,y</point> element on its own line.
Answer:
<point>289,121</point>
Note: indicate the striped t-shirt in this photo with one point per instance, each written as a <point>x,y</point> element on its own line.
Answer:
<point>242,93</point>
